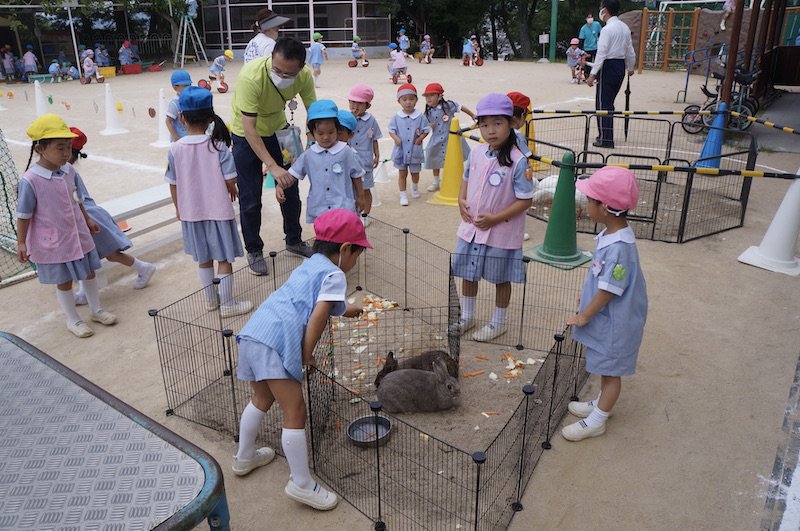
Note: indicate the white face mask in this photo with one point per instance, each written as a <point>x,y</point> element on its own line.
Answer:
<point>589,20</point>
<point>281,82</point>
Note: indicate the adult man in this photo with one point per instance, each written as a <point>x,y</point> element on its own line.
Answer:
<point>615,55</point>
<point>588,36</point>
<point>262,89</point>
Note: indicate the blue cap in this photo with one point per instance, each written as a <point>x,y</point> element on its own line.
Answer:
<point>402,30</point>
<point>194,98</point>
<point>347,120</point>
<point>393,45</point>
<point>29,46</point>
<point>322,109</point>
<point>180,77</point>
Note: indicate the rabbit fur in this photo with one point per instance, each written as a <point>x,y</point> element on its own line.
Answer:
<point>412,390</point>
<point>423,362</point>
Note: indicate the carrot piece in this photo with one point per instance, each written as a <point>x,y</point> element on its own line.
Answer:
<point>484,358</point>
<point>509,376</point>
<point>489,413</point>
<point>471,374</point>
<point>354,391</point>
<point>360,325</point>
<point>359,366</point>
<point>378,362</point>
<point>338,425</point>
<point>508,356</point>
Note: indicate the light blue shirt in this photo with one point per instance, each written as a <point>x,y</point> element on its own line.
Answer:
<point>404,42</point>
<point>619,326</point>
<point>174,112</point>
<point>125,56</point>
<point>590,35</point>
<point>367,130</point>
<point>218,65</point>
<point>522,144</point>
<point>408,127</point>
<point>331,172</point>
<point>281,320</point>
<point>315,56</point>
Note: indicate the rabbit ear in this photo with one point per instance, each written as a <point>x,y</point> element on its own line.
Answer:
<point>440,370</point>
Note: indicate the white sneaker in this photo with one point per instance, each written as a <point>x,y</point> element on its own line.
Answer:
<point>80,329</point>
<point>403,200</point>
<point>489,332</point>
<point>366,220</point>
<point>80,299</point>
<point>415,193</point>
<point>580,431</point>
<point>212,304</point>
<point>434,187</point>
<point>461,326</point>
<point>144,278</point>
<point>318,497</point>
<point>242,467</point>
<point>574,80</point>
<point>237,308</point>
<point>583,409</point>
<point>722,25</point>
<point>104,318</point>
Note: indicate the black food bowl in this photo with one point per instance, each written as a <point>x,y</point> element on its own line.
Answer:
<point>363,431</point>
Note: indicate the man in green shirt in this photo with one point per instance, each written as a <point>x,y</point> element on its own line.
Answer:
<point>262,89</point>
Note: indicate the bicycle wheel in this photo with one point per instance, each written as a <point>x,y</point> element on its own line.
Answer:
<point>708,119</point>
<point>692,123</point>
<point>741,122</point>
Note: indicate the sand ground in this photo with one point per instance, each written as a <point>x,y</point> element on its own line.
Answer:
<point>693,438</point>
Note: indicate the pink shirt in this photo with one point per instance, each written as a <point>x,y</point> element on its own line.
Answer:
<point>399,59</point>
<point>199,170</point>
<point>490,189</point>
<point>58,232</point>
<point>29,59</point>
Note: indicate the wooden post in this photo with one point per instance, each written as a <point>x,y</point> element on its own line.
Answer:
<point>668,40</point>
<point>642,39</point>
<point>751,36</point>
<point>733,51</point>
<point>693,34</point>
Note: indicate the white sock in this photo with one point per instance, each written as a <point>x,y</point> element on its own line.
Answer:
<point>248,430</point>
<point>294,447</point>
<point>139,266</point>
<point>81,290</point>
<point>207,281</point>
<point>403,195</point>
<point>499,317</point>
<point>226,290</point>
<point>436,180</point>
<point>92,294</point>
<point>468,307</point>
<point>596,418</point>
<point>414,187</point>
<point>67,302</point>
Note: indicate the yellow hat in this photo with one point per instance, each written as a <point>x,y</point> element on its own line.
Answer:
<point>229,54</point>
<point>49,126</point>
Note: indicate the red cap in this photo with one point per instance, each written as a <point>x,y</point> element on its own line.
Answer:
<point>433,88</point>
<point>406,89</point>
<point>519,100</point>
<point>341,226</point>
<point>79,141</point>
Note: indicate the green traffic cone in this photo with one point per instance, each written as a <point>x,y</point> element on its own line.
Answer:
<point>560,247</point>
<point>269,181</point>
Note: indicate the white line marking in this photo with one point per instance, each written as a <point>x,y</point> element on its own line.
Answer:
<point>571,100</point>
<point>107,160</point>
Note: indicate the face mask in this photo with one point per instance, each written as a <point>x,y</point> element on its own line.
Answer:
<point>589,20</point>
<point>281,82</point>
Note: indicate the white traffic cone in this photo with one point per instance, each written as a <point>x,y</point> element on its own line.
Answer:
<point>113,127</point>
<point>41,101</point>
<point>163,132</point>
<point>384,166</point>
<point>376,201</point>
<point>776,252</point>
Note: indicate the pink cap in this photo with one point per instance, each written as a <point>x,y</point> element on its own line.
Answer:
<point>574,41</point>
<point>613,186</point>
<point>341,226</point>
<point>361,93</point>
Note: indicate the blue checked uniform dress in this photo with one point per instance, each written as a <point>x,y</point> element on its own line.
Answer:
<point>367,131</point>
<point>408,155</point>
<point>439,118</point>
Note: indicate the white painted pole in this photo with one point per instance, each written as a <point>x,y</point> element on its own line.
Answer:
<point>163,133</point>
<point>78,64</point>
<point>113,126</point>
<point>41,102</point>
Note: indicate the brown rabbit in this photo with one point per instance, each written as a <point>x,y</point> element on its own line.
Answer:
<point>422,362</point>
<point>410,390</point>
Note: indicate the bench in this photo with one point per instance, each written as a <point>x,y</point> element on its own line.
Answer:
<point>41,78</point>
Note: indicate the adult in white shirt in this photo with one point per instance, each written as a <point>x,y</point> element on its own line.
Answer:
<point>266,27</point>
<point>614,56</point>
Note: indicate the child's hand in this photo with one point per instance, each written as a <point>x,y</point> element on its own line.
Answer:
<point>577,320</point>
<point>94,228</point>
<point>309,362</point>
<point>232,191</point>
<point>353,310</point>
<point>398,142</point>
<point>375,161</point>
<point>22,252</point>
<point>361,202</point>
<point>463,209</point>
<point>280,195</point>
<point>485,221</point>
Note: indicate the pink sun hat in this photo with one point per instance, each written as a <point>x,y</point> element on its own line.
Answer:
<point>341,226</point>
<point>613,186</point>
<point>361,93</point>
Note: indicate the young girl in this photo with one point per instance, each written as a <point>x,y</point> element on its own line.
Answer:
<point>331,166</point>
<point>574,54</point>
<point>8,62</point>
<point>280,338</point>
<point>493,199</point>
<point>365,140</point>
<point>397,61</point>
<point>202,179</point>
<point>408,129</point>
<point>426,50</point>
<point>613,306</point>
<point>30,61</point>
<point>110,241</point>
<point>467,52</point>
<point>89,66</point>
<point>53,229</point>
<point>439,112</point>
<point>317,54</point>
<point>521,104</point>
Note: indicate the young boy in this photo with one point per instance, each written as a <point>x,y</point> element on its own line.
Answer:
<point>359,54</point>
<point>217,67</point>
<point>180,79</point>
<point>408,129</point>
<point>316,56</point>
<point>521,104</point>
<point>402,40</point>
<point>574,55</point>
<point>346,131</point>
<point>365,139</point>
<point>55,71</point>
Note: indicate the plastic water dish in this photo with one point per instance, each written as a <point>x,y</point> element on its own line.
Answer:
<point>365,433</point>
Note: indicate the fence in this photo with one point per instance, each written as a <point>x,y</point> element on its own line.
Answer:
<point>673,206</point>
<point>11,269</point>
<point>421,479</point>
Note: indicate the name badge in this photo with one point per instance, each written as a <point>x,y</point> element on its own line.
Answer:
<point>597,267</point>
<point>495,179</point>
<point>337,168</point>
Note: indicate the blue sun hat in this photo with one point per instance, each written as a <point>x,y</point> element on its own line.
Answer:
<point>195,98</point>
<point>393,45</point>
<point>323,109</point>
<point>402,31</point>
<point>180,77</point>
<point>347,120</point>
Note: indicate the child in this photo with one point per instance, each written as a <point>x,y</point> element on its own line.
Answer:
<point>110,241</point>
<point>330,165</point>
<point>102,56</point>
<point>281,337</point>
<point>439,112</point>
<point>202,179</point>
<point>8,62</point>
<point>521,104</point>
<point>426,50</point>
<point>402,40</point>
<point>53,229</point>
<point>574,55</point>
<point>493,199</point>
<point>467,52</point>
<point>346,131</point>
<point>30,61</point>
<point>218,66</point>
<point>89,66</point>
<point>359,54</point>
<point>55,71</point>
<point>316,55</point>
<point>365,140</point>
<point>180,79</point>
<point>397,61</point>
<point>613,305</point>
<point>70,71</point>
<point>476,49</point>
<point>125,54</point>
<point>62,56</point>
<point>408,128</point>
<point>727,8</point>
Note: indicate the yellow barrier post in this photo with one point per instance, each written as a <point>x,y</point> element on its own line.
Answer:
<point>453,171</point>
<point>529,134</point>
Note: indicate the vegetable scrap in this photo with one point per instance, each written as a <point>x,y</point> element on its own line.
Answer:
<point>484,358</point>
<point>472,374</point>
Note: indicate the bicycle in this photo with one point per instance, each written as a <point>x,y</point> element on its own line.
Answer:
<point>741,102</point>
